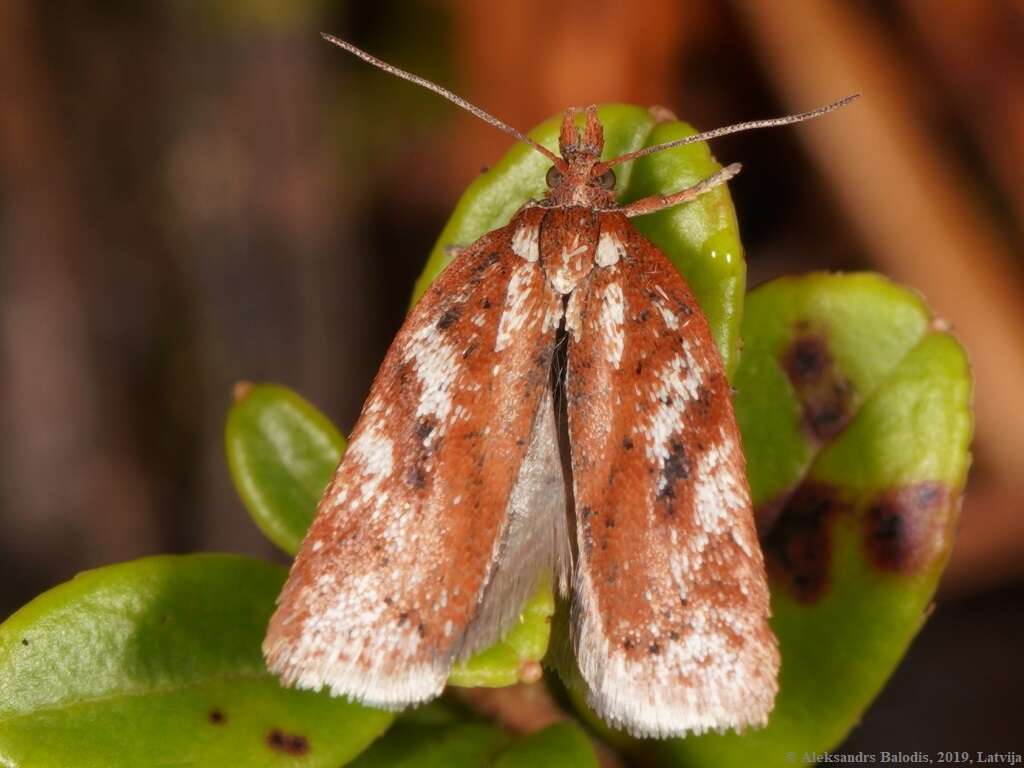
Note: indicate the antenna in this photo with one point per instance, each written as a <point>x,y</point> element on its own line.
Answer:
<point>457,100</point>
<point>737,128</point>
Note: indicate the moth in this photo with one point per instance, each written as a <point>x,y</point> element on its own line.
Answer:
<point>554,407</point>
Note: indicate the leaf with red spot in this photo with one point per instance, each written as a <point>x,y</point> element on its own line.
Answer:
<point>854,405</point>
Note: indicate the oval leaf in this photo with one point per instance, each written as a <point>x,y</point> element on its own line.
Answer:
<point>855,411</point>
<point>157,662</point>
<point>282,453</point>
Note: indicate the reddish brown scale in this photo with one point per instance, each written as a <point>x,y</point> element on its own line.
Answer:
<point>670,605</point>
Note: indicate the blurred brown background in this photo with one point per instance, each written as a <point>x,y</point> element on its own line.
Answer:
<point>193,193</point>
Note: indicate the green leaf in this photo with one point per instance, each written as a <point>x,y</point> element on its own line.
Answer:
<point>855,411</point>
<point>701,237</point>
<point>516,657</point>
<point>562,745</point>
<point>282,453</point>
<point>157,662</point>
<point>414,745</point>
<point>869,324</point>
<point>454,743</point>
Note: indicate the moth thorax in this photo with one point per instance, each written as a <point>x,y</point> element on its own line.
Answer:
<point>568,244</point>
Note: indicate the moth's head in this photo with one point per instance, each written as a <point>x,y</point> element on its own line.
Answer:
<point>579,177</point>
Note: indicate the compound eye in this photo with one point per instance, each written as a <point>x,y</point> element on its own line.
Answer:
<point>554,177</point>
<point>606,180</point>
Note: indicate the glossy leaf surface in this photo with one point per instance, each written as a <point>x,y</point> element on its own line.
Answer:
<point>282,453</point>
<point>157,662</point>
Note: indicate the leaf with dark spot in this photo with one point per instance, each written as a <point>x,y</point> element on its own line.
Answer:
<point>289,743</point>
<point>823,392</point>
<point>856,421</point>
<point>798,550</point>
<point>899,526</point>
<point>193,690</point>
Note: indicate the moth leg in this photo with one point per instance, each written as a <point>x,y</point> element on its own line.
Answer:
<point>654,203</point>
<point>451,251</point>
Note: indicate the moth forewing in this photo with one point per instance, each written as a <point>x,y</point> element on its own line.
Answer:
<point>399,573</point>
<point>670,611</point>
